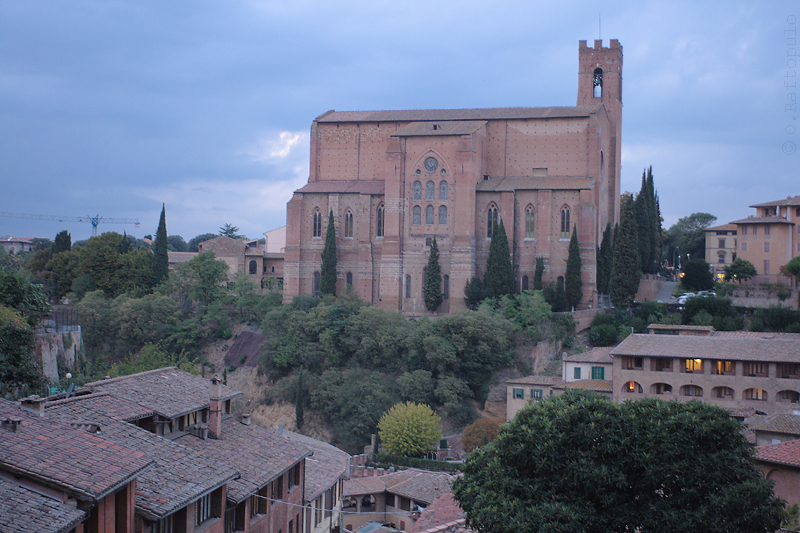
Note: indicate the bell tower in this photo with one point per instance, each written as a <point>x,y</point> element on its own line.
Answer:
<point>600,82</point>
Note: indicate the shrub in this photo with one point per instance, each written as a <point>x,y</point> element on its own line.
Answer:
<point>409,429</point>
<point>603,335</point>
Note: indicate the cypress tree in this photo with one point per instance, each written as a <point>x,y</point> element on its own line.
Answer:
<point>160,256</point>
<point>327,282</point>
<point>538,273</point>
<point>433,280</point>
<point>572,279</point>
<point>626,270</point>
<point>604,258</point>
<point>561,297</point>
<point>125,245</point>
<point>63,242</point>
<point>499,273</point>
<point>642,214</point>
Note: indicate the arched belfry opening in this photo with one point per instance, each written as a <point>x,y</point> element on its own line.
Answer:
<point>597,83</point>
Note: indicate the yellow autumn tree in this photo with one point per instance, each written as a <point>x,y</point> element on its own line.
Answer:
<point>409,429</point>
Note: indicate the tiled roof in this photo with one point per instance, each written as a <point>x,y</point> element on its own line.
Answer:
<point>259,454</point>
<point>425,129</point>
<point>680,327</point>
<point>575,183</point>
<point>419,485</point>
<point>779,423</point>
<point>778,349</point>
<point>596,355</point>
<point>785,453</point>
<point>441,515</point>
<point>789,201</point>
<point>179,475</point>
<point>599,385</point>
<point>723,227</point>
<point>105,403</point>
<point>535,380</point>
<point>169,392</point>
<point>375,188</point>
<point>324,468</point>
<point>87,466</point>
<point>27,511</point>
<point>762,220</point>
<point>418,115</point>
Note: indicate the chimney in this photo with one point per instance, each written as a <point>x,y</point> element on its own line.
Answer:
<point>33,403</point>
<point>215,414</point>
<point>13,422</point>
<point>246,419</point>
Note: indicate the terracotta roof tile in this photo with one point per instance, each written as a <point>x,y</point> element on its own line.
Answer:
<point>259,454</point>
<point>420,485</point>
<point>103,402</point>
<point>784,348</point>
<point>762,220</point>
<point>596,355</point>
<point>785,453</point>
<point>598,385</point>
<point>324,468</point>
<point>779,423</point>
<point>27,511</point>
<point>790,201</point>
<point>86,466</point>
<point>179,475</point>
<point>169,392</point>
<point>442,514</point>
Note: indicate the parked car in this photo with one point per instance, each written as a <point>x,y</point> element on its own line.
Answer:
<point>686,297</point>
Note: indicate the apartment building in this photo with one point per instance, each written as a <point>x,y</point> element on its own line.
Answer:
<point>721,247</point>
<point>741,371</point>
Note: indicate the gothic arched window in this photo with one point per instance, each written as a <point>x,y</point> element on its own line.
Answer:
<point>317,223</point>
<point>597,83</point>
<point>379,222</point>
<point>429,215</point>
<point>443,190</point>
<point>442,215</point>
<point>417,190</point>
<point>530,218</point>
<point>408,286</point>
<point>492,220</point>
<point>565,222</point>
<point>430,189</point>
<point>348,223</point>
<point>417,216</point>
<point>349,279</point>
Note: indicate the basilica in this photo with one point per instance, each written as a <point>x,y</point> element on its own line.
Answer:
<point>394,180</point>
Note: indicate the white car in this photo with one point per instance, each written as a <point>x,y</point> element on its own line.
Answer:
<point>686,297</point>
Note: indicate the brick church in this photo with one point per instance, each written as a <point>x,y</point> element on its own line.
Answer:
<point>396,179</point>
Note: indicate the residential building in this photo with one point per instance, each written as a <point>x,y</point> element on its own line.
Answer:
<point>721,247</point>
<point>395,498</point>
<point>735,370</point>
<point>780,427</point>
<point>520,391</point>
<point>326,470</point>
<point>394,180</point>
<point>771,238</point>
<point>16,245</point>
<point>781,464</point>
<point>595,364</point>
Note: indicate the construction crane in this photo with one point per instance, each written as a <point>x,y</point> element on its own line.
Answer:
<point>93,220</point>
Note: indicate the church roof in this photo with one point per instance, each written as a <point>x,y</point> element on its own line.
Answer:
<point>427,115</point>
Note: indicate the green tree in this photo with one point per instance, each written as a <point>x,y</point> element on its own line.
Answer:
<point>499,272</point>
<point>125,244</point>
<point>177,244</point>
<point>433,280</point>
<point>196,241</point>
<point>697,275</point>
<point>626,266</point>
<point>160,255</point>
<point>409,429</point>
<point>538,274</point>
<point>482,431</point>
<point>63,242</point>
<point>475,291</point>
<point>648,221</point>
<point>605,258</point>
<point>792,267</point>
<point>23,297</point>
<point>740,269</point>
<point>230,231</point>
<point>573,285</point>
<point>201,278</point>
<point>687,237</point>
<point>569,463</point>
<point>299,400</point>
<point>20,374</point>
<point>327,282</point>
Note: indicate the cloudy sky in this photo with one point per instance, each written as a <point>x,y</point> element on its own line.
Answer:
<point>113,107</point>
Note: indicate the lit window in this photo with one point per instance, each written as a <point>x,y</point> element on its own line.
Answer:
<point>693,366</point>
<point>632,387</point>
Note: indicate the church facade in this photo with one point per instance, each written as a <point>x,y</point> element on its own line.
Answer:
<point>394,180</point>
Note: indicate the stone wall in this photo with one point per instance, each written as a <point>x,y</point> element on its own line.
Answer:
<point>57,349</point>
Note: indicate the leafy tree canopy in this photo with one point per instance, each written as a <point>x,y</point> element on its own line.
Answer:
<point>409,429</point>
<point>482,431</point>
<point>688,236</point>
<point>792,267</point>
<point>177,244</point>
<point>697,275</point>
<point>741,269</point>
<point>578,462</point>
